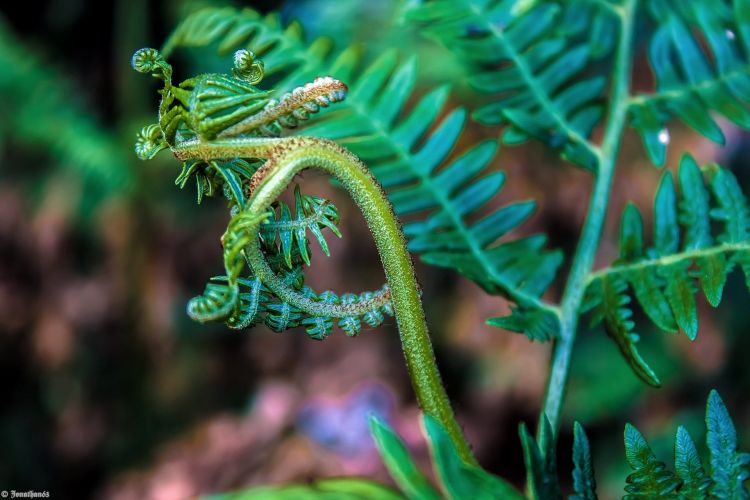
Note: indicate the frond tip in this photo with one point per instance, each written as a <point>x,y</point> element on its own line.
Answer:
<point>728,468</point>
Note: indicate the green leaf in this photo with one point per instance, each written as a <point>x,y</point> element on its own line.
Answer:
<point>311,214</point>
<point>43,110</point>
<point>324,489</point>
<point>650,478</point>
<point>688,466</point>
<point>541,469</point>
<point>729,469</point>
<point>536,324</point>
<point>695,54</point>
<point>584,482</point>
<point>459,479</point>
<point>666,277</point>
<point>607,297</point>
<point>527,55</point>
<point>400,465</point>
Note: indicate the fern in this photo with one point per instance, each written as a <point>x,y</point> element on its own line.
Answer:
<point>312,214</point>
<point>408,161</point>
<point>584,482</point>
<point>700,56</point>
<point>541,468</point>
<point>729,469</point>
<point>532,57</point>
<point>41,110</point>
<point>665,277</point>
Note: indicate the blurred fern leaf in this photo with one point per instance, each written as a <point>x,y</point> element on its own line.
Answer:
<point>700,55</point>
<point>43,110</point>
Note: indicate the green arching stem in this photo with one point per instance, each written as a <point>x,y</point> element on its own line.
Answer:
<point>287,158</point>
<point>583,259</point>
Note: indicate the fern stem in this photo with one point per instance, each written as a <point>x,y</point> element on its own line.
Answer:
<point>287,158</point>
<point>583,260</point>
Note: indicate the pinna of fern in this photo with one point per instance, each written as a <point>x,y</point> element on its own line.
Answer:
<point>225,131</point>
<point>543,66</point>
<point>684,257</point>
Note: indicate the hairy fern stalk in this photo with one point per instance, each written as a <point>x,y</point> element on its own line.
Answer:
<point>552,71</point>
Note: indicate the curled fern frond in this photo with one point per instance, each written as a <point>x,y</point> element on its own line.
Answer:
<point>406,159</point>
<point>149,142</point>
<point>292,109</point>
<point>700,55</point>
<point>217,302</point>
<point>410,163</point>
<point>664,278</point>
<point>247,67</point>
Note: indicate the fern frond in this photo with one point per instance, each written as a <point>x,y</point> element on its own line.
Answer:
<point>311,214</point>
<point>584,482</point>
<point>650,478</point>
<point>540,460</point>
<point>531,57</point>
<point>685,257</point>
<point>729,469</point>
<point>406,159</point>
<point>410,164</point>
<point>289,58</point>
<point>700,57</point>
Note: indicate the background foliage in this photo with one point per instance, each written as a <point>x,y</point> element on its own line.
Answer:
<point>114,393</point>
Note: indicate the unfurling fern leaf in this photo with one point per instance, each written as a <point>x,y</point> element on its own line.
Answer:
<point>729,469</point>
<point>700,55</point>
<point>665,277</point>
<point>410,164</point>
<point>407,160</point>
<point>531,56</point>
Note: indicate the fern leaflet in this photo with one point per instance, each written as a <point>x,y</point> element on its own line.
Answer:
<point>700,56</point>
<point>531,56</point>
<point>664,278</point>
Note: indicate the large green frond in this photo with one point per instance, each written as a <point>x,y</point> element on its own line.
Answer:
<point>685,256</point>
<point>531,57</point>
<point>410,163</point>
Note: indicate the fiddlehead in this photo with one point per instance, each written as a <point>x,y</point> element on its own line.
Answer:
<point>225,131</point>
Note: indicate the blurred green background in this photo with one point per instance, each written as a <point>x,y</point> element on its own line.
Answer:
<point>110,391</point>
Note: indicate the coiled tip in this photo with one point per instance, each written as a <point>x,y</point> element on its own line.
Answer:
<point>247,67</point>
<point>146,60</point>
